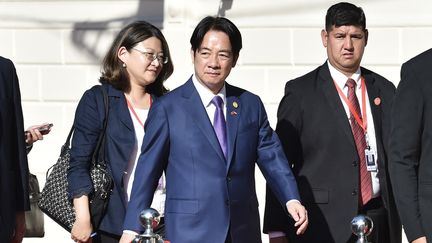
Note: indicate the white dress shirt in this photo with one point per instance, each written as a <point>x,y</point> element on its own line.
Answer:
<point>206,97</point>
<point>340,79</point>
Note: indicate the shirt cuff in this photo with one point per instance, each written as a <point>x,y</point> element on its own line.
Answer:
<point>292,200</point>
<point>130,232</point>
<point>276,234</point>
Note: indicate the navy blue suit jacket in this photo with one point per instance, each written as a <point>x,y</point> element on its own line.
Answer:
<point>120,140</point>
<point>207,194</point>
<point>13,157</point>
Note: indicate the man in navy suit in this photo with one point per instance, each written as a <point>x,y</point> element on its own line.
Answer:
<point>210,186</point>
<point>13,158</point>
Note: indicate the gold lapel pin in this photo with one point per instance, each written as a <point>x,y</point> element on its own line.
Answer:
<point>235,104</point>
<point>377,101</point>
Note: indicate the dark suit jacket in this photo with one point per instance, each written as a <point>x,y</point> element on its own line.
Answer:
<point>411,146</point>
<point>206,194</point>
<point>317,138</point>
<point>120,140</point>
<point>13,157</point>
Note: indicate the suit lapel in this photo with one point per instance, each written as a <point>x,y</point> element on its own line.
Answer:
<point>120,109</point>
<point>374,94</point>
<point>198,114</point>
<point>333,99</point>
<point>120,112</point>
<point>233,113</point>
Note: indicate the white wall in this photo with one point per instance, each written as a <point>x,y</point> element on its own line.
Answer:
<point>57,47</point>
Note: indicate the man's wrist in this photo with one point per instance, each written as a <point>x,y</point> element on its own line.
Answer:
<point>292,201</point>
<point>130,232</point>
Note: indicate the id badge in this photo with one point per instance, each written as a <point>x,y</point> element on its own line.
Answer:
<point>370,160</point>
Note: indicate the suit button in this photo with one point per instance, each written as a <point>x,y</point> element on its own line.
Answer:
<point>354,192</point>
<point>229,179</point>
<point>354,163</point>
<point>227,202</point>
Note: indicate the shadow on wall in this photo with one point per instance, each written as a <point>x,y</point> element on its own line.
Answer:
<point>87,35</point>
<point>224,5</point>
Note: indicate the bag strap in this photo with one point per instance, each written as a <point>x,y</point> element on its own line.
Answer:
<point>66,145</point>
<point>98,156</point>
<point>98,152</point>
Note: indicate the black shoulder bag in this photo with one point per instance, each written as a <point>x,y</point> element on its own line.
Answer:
<point>54,200</point>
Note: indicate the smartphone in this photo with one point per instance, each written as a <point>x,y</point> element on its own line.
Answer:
<point>45,128</point>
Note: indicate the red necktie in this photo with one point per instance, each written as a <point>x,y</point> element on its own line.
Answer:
<point>360,141</point>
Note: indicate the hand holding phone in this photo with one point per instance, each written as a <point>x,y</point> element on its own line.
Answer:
<point>45,129</point>
<point>36,132</point>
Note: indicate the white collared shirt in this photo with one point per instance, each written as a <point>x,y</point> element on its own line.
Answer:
<point>206,97</point>
<point>340,79</point>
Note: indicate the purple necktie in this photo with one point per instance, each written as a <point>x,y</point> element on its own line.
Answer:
<point>219,123</point>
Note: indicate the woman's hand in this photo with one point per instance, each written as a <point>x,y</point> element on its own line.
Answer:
<point>82,228</point>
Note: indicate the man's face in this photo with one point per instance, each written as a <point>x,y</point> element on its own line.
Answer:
<point>345,46</point>
<point>213,60</point>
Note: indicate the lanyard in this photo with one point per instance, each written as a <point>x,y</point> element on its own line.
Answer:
<point>133,110</point>
<point>362,121</point>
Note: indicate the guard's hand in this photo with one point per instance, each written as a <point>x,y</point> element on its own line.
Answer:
<point>282,239</point>
<point>420,240</point>
<point>299,214</point>
<point>19,227</point>
<point>36,132</point>
<point>127,238</point>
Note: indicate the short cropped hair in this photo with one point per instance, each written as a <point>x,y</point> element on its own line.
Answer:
<point>218,24</point>
<point>344,13</point>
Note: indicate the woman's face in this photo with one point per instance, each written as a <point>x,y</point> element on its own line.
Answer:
<point>143,62</point>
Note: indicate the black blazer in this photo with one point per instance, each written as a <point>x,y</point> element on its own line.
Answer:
<point>317,139</point>
<point>13,157</point>
<point>411,146</point>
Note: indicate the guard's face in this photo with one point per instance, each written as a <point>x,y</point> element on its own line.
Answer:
<point>213,60</point>
<point>345,47</point>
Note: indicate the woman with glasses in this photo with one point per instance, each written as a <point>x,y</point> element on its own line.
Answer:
<point>133,72</point>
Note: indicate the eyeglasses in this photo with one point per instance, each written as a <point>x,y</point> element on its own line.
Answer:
<point>150,56</point>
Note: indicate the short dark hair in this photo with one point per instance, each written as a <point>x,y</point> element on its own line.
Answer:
<point>112,71</point>
<point>219,24</point>
<point>344,13</point>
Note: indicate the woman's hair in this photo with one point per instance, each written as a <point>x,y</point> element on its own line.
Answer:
<point>112,71</point>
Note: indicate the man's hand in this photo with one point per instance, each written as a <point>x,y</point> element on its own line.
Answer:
<point>127,238</point>
<point>36,132</point>
<point>299,214</point>
<point>19,227</point>
<point>420,240</point>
